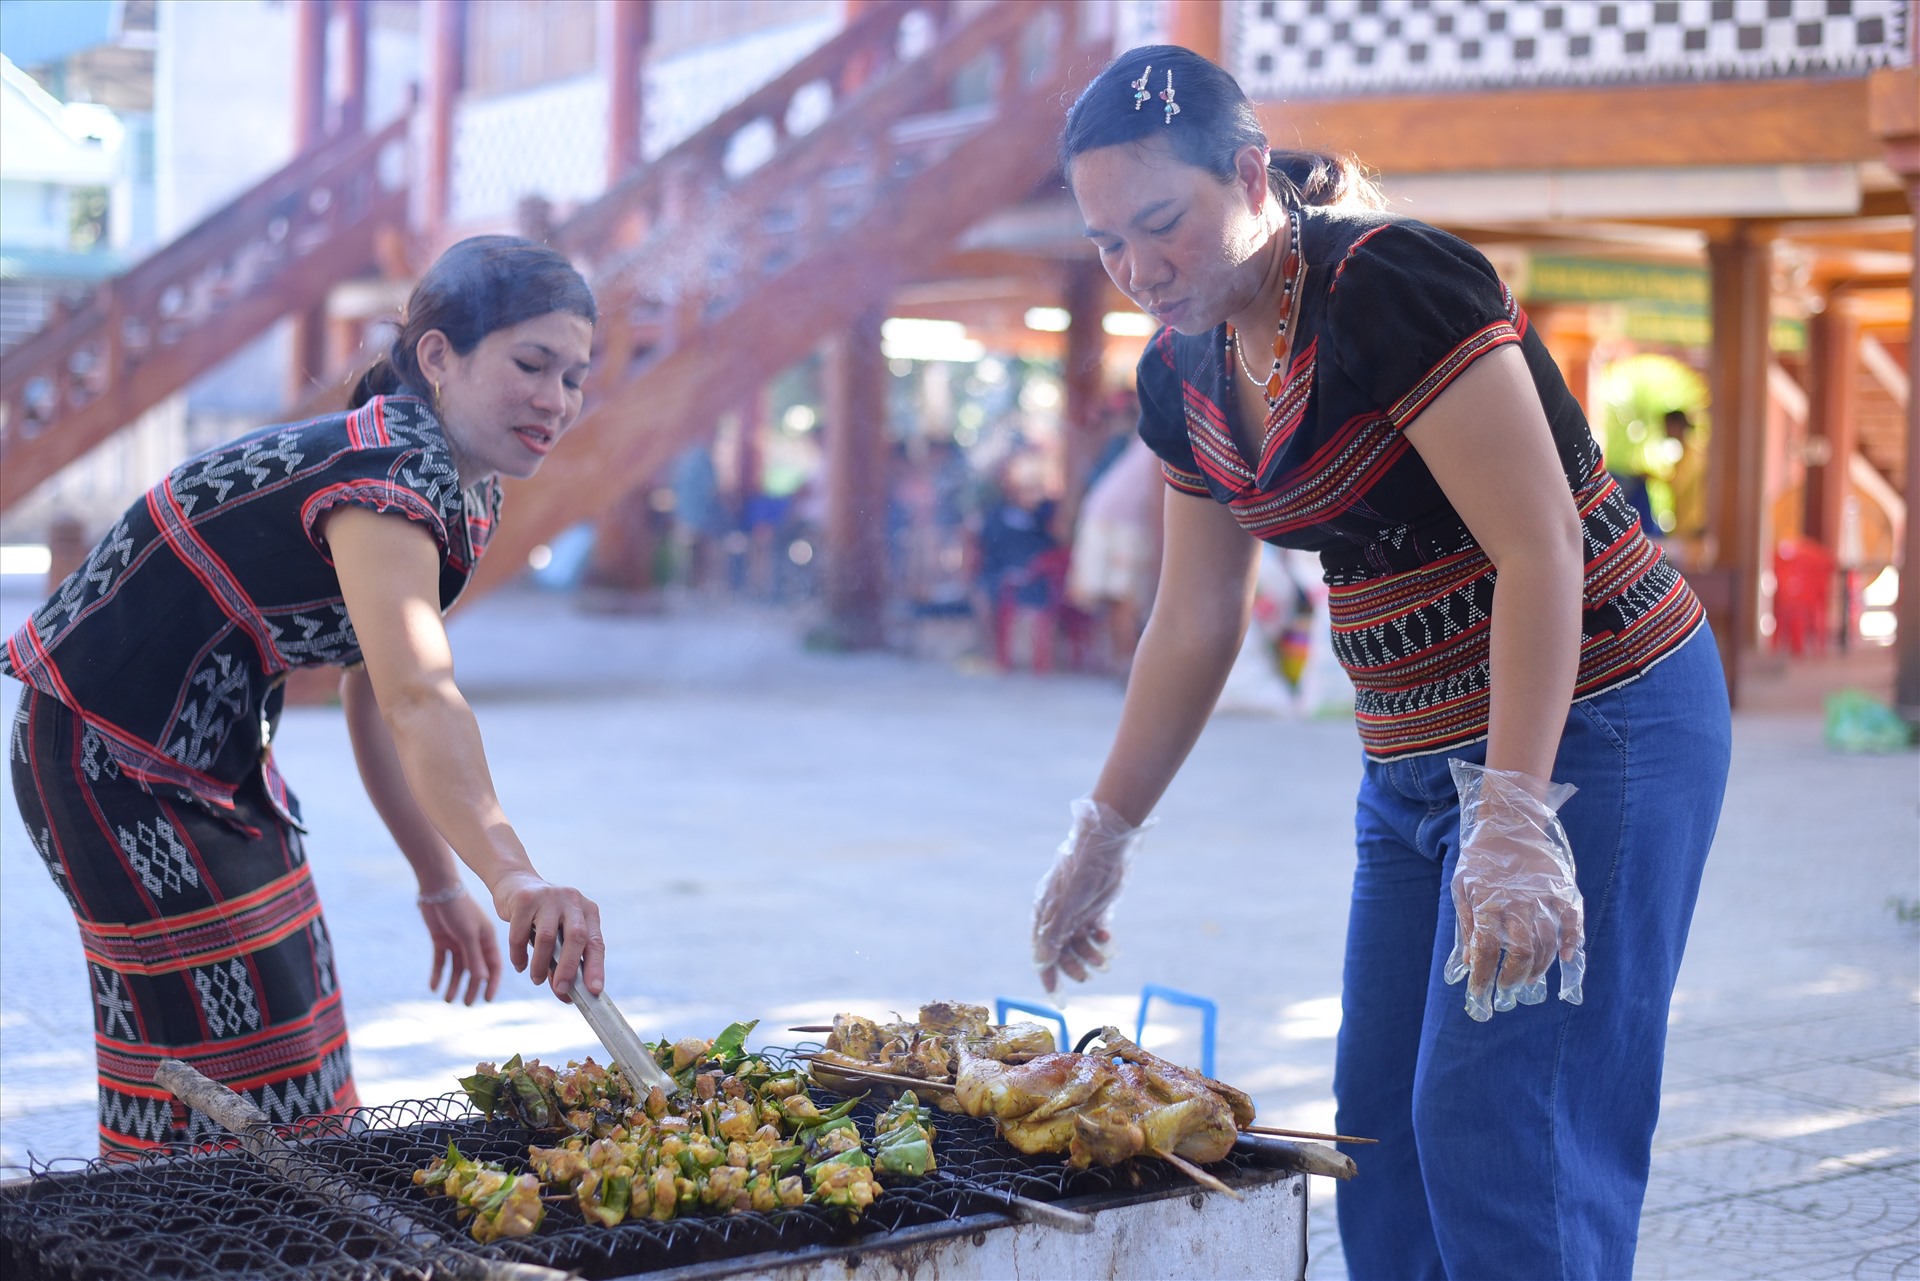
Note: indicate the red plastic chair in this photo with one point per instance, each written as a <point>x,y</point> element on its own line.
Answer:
<point>1803,572</point>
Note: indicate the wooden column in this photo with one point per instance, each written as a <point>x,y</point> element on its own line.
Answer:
<point>1195,24</point>
<point>1906,684</point>
<point>1834,368</point>
<point>309,73</point>
<point>1086,299</point>
<point>307,363</point>
<point>628,27</point>
<point>1737,260</point>
<point>353,100</point>
<point>856,481</point>
<point>442,36</point>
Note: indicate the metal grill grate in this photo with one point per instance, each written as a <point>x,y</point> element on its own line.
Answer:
<point>223,1215</point>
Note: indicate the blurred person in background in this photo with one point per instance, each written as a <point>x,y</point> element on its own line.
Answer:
<point>1116,549</point>
<point>141,749</point>
<point>1016,535</point>
<point>1544,761</point>
<point>1688,484</point>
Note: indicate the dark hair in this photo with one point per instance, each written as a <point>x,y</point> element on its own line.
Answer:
<point>482,284</point>
<point>1214,123</point>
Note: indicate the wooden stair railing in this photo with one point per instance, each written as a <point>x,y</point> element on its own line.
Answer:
<point>713,276</point>
<point>144,335</point>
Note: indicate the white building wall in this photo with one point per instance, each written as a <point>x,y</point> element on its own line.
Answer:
<point>222,103</point>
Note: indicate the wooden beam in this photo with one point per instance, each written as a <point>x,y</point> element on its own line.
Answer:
<point>1195,25</point>
<point>353,101</point>
<point>1796,121</point>
<point>442,29</point>
<point>309,73</point>
<point>1906,689</point>
<point>1833,369</point>
<point>1737,386</point>
<point>630,22</point>
<point>856,482</point>
<point>1085,366</point>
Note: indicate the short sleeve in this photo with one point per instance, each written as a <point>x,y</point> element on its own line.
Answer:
<point>1410,308</point>
<point>1163,417</point>
<point>397,462</point>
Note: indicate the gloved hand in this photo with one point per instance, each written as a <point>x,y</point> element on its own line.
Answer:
<point>1514,891</point>
<point>1074,898</point>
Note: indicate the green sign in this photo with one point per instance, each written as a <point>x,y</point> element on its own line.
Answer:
<point>1664,305</point>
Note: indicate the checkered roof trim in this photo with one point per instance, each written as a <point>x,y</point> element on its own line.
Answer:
<point>1335,48</point>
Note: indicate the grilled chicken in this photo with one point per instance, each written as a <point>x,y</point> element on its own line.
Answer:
<point>1096,1110</point>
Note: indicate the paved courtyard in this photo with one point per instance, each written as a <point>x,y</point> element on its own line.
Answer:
<point>778,834</point>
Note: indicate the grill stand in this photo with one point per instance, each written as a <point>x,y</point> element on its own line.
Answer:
<point>253,1129</point>
<point>1167,1234</point>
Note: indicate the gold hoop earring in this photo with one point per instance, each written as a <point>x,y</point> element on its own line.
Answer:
<point>436,397</point>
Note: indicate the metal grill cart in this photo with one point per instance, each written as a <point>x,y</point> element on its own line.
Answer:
<point>337,1201</point>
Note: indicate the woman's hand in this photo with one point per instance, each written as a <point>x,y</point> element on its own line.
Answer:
<point>553,932</point>
<point>464,946</point>
<point>1077,894</point>
<point>1514,892</point>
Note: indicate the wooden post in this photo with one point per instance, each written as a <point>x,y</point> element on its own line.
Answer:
<point>442,32</point>
<point>1906,684</point>
<point>1195,25</point>
<point>1086,297</point>
<point>1834,368</point>
<point>856,481</point>
<point>308,360</point>
<point>309,73</point>
<point>353,101</point>
<point>629,27</point>
<point>1737,260</point>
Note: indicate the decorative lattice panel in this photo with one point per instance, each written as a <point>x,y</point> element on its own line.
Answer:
<point>1327,48</point>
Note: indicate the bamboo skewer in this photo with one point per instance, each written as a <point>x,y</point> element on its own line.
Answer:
<point>1304,1134</point>
<point>251,1126</point>
<point>1197,1174</point>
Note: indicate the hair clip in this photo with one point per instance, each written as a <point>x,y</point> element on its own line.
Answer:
<point>1166,96</point>
<point>1140,93</point>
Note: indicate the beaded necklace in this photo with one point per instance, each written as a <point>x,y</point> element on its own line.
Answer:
<point>1275,380</point>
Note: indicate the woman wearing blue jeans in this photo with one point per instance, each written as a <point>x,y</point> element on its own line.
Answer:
<point>1538,696</point>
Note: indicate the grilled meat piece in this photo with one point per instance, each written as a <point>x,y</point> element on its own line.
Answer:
<point>1097,1111</point>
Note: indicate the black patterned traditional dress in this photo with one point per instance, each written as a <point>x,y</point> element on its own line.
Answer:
<point>1391,312</point>
<point>141,762</point>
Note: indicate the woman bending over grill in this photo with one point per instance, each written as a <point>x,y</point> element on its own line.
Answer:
<point>1544,759</point>
<point>141,748</point>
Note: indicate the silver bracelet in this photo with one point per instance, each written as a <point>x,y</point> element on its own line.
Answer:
<point>434,897</point>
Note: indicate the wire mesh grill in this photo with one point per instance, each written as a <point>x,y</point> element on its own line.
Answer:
<point>222,1214</point>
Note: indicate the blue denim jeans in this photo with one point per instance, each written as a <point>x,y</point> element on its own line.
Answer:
<point>1519,1147</point>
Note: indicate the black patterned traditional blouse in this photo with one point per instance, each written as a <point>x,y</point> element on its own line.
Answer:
<point>173,639</point>
<point>1392,311</point>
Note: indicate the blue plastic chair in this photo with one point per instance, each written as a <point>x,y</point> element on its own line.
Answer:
<point>1209,1018</point>
<point>1002,1004</point>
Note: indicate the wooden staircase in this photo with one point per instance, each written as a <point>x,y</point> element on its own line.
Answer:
<point>790,215</point>
<point>148,333</point>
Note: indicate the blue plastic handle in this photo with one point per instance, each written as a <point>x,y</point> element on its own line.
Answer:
<point>1209,1018</point>
<point>1001,1005</point>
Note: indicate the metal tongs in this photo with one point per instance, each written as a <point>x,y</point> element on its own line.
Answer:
<point>623,1045</point>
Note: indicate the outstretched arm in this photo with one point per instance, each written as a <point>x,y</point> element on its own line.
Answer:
<point>389,574</point>
<point>1198,620</point>
<point>464,946</point>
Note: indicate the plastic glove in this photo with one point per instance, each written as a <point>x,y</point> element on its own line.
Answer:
<point>1514,892</point>
<point>1074,898</point>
